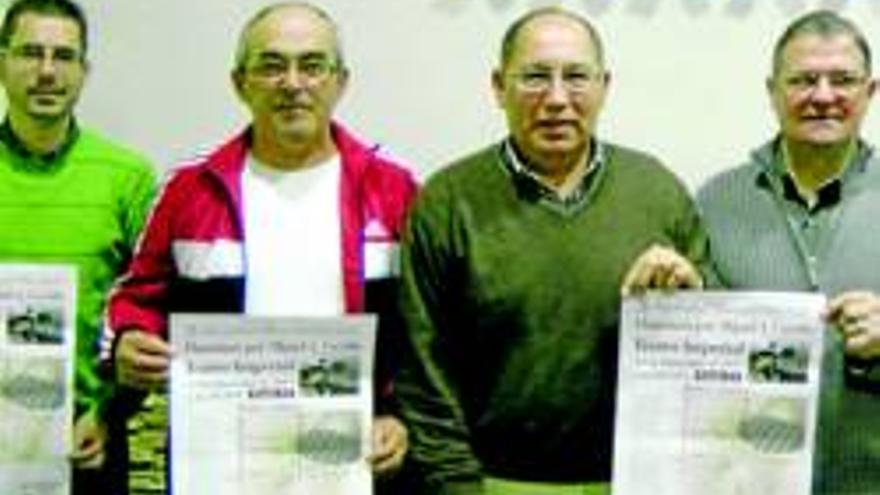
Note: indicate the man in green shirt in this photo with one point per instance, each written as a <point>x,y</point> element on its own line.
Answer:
<point>67,196</point>
<point>512,268</point>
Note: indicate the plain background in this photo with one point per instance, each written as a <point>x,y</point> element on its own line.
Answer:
<point>687,75</point>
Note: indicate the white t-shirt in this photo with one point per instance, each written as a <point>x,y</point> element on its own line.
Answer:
<point>292,240</point>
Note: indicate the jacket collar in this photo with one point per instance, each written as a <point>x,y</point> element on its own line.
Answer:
<point>228,161</point>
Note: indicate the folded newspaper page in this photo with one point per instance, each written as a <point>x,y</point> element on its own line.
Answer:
<point>38,317</point>
<point>717,393</point>
<point>271,405</point>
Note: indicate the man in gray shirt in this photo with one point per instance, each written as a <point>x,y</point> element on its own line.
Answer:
<point>799,216</point>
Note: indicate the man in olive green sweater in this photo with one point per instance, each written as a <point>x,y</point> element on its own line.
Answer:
<point>513,264</point>
<point>67,196</point>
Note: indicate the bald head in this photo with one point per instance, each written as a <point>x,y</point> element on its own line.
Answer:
<point>294,9</point>
<point>514,33</point>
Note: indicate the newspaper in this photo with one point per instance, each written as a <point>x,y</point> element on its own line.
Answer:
<point>271,405</point>
<point>38,317</point>
<point>717,393</point>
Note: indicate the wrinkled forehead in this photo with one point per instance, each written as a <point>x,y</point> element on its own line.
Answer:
<point>554,38</point>
<point>805,50</point>
<point>293,31</point>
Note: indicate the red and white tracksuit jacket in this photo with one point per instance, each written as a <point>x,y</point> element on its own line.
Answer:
<point>190,257</point>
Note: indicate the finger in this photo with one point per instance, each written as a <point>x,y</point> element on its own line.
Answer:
<point>388,463</point>
<point>149,344</point>
<point>864,342</point>
<point>144,380</point>
<point>380,453</point>
<point>628,286</point>
<point>377,456</point>
<point>862,308</point>
<point>859,345</point>
<point>848,304</point>
<point>688,277</point>
<point>849,329</point>
<point>678,271</point>
<point>149,363</point>
<point>674,275</point>
<point>658,275</point>
<point>638,278</point>
<point>388,435</point>
<point>143,372</point>
<point>89,453</point>
<point>86,450</point>
<point>91,462</point>
<point>662,268</point>
<point>390,443</point>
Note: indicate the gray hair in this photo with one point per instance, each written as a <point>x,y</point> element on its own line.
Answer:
<point>243,48</point>
<point>823,23</point>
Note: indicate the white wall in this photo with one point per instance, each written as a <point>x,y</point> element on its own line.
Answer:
<point>687,74</point>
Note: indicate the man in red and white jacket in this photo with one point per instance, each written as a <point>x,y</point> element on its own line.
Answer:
<point>294,216</point>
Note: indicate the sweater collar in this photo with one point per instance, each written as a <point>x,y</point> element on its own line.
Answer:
<point>528,183</point>
<point>34,161</point>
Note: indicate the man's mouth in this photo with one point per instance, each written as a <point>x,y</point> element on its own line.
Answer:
<point>556,129</point>
<point>46,92</point>
<point>821,119</point>
<point>292,107</point>
<point>46,97</point>
<point>556,123</point>
<point>824,115</point>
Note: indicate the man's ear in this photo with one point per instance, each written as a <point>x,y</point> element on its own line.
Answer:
<point>872,87</point>
<point>236,76</point>
<point>343,75</point>
<point>769,85</point>
<point>498,86</point>
<point>3,55</point>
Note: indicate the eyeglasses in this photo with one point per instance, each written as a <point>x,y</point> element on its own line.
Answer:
<point>311,69</point>
<point>840,81</point>
<point>540,79</point>
<point>33,55</point>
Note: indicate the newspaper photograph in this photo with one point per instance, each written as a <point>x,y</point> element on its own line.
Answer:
<point>38,318</point>
<point>271,405</point>
<point>717,393</point>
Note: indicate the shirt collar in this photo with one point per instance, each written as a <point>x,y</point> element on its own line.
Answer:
<point>529,184</point>
<point>773,174</point>
<point>17,146</point>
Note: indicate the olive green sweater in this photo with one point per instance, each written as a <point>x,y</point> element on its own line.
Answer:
<point>512,308</point>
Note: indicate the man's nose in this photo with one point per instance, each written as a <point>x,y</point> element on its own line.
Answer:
<point>823,90</point>
<point>557,92</point>
<point>47,65</point>
<point>293,77</point>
